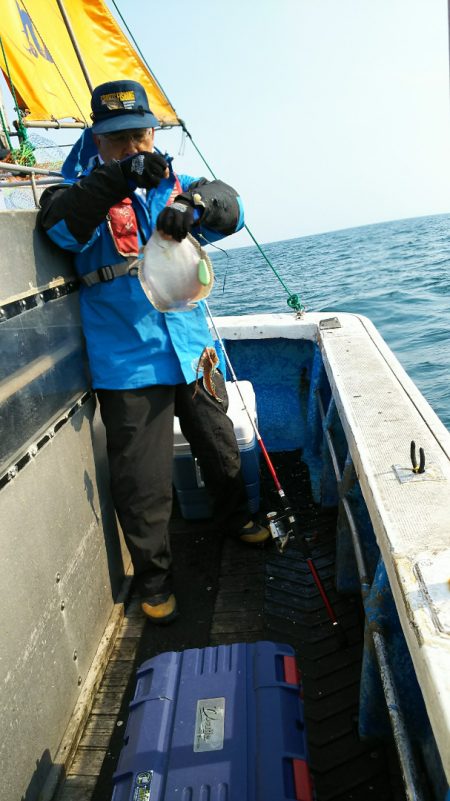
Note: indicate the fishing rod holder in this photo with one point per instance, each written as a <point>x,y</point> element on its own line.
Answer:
<point>417,467</point>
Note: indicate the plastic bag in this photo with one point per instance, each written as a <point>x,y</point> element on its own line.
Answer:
<point>174,275</point>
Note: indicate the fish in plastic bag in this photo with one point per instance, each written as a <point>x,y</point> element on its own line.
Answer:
<point>174,275</point>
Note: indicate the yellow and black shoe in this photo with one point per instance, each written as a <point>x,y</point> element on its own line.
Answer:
<point>254,533</point>
<point>160,609</point>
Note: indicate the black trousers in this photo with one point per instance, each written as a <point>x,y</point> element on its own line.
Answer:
<point>139,433</point>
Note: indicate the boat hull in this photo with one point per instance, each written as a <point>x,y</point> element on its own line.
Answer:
<point>327,386</point>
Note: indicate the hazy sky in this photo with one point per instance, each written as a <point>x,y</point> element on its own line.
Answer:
<point>324,114</point>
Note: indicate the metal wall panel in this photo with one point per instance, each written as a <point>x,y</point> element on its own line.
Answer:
<point>61,558</point>
<point>41,371</point>
<point>28,259</point>
<point>62,565</point>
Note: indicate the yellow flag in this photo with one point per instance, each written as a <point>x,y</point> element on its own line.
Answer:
<point>44,67</point>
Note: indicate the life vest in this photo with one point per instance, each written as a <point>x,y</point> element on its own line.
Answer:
<point>122,225</point>
<point>122,222</point>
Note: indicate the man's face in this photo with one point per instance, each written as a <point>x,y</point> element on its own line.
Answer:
<point>121,144</point>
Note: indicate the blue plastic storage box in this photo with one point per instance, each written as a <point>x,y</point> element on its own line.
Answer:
<point>222,724</point>
<point>193,499</point>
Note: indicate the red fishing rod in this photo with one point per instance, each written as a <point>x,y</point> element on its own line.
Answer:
<point>282,526</point>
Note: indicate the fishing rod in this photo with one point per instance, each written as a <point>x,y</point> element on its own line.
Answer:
<point>282,526</point>
<point>276,522</point>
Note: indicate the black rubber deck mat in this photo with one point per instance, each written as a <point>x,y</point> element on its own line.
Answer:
<point>267,595</point>
<point>231,592</point>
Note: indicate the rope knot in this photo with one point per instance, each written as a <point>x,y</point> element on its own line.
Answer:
<point>293,302</point>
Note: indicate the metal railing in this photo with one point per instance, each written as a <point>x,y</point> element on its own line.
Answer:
<point>53,177</point>
<point>415,789</point>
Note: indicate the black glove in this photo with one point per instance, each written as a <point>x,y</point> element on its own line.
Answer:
<point>176,220</point>
<point>144,170</point>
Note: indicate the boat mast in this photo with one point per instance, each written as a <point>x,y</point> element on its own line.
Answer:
<point>5,142</point>
<point>75,44</point>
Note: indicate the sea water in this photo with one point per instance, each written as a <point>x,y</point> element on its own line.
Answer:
<point>395,273</point>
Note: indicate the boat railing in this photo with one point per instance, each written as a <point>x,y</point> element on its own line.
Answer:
<point>49,177</point>
<point>362,415</point>
<point>345,481</point>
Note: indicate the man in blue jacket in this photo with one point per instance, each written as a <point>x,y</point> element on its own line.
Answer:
<point>143,362</point>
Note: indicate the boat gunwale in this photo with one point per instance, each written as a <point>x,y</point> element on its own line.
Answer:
<point>429,647</point>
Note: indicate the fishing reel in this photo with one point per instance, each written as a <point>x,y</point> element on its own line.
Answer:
<point>282,526</point>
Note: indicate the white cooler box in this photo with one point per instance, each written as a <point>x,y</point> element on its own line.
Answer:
<point>193,499</point>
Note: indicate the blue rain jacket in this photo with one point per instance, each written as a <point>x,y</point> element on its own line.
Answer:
<point>129,343</point>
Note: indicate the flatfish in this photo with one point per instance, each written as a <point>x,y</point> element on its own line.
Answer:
<point>175,275</point>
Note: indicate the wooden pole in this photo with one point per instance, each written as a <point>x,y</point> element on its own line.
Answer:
<point>75,44</point>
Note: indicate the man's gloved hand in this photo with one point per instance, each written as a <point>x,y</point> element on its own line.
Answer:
<point>176,220</point>
<point>144,170</point>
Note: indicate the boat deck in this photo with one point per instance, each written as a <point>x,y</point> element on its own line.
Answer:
<point>229,592</point>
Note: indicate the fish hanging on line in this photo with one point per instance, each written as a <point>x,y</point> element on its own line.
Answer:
<point>207,364</point>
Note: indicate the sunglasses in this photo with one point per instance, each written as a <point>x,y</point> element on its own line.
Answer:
<point>137,135</point>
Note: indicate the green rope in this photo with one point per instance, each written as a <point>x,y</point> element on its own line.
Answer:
<point>13,92</point>
<point>4,126</point>
<point>24,153</point>
<point>5,131</point>
<point>293,300</point>
<point>183,126</point>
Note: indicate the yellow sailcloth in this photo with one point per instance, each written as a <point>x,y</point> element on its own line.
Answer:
<point>44,68</point>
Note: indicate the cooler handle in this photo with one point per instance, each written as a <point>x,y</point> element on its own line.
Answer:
<point>302,780</point>
<point>292,674</point>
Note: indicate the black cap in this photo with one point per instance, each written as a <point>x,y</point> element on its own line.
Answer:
<point>120,106</point>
